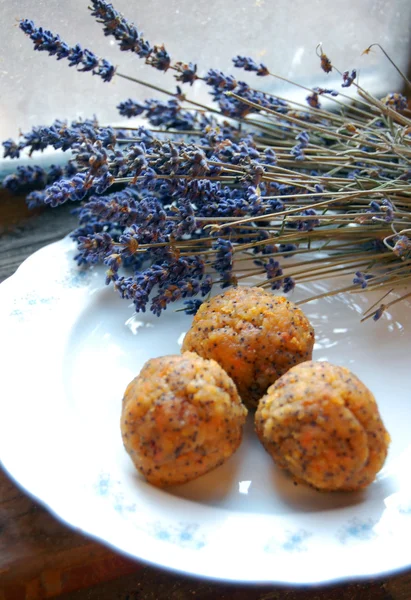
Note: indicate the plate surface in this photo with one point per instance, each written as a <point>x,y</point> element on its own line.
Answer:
<point>69,347</point>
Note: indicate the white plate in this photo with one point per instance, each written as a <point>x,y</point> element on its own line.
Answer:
<point>69,347</point>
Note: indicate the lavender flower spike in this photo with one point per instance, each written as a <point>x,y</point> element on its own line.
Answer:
<point>11,149</point>
<point>129,38</point>
<point>66,189</point>
<point>361,279</point>
<point>45,40</point>
<point>395,101</point>
<point>348,79</point>
<point>192,306</point>
<point>248,64</point>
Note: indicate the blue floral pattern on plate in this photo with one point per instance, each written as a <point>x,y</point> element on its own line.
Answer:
<point>182,534</point>
<point>293,542</point>
<point>357,530</point>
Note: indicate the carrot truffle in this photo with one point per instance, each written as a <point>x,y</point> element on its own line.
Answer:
<point>254,335</point>
<point>181,417</point>
<point>322,424</point>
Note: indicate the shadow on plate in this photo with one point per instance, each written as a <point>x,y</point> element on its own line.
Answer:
<point>302,498</point>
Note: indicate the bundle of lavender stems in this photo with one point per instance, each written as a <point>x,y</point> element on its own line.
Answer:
<point>201,197</point>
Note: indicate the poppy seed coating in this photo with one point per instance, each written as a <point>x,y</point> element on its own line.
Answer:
<point>181,417</point>
<point>254,335</point>
<point>322,424</point>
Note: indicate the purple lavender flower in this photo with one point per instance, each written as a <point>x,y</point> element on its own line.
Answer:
<point>235,108</point>
<point>213,199</point>
<point>188,224</point>
<point>129,38</point>
<point>40,137</point>
<point>262,70</point>
<point>375,207</point>
<point>128,288</point>
<point>379,312</point>
<point>322,91</point>
<point>160,302</point>
<point>395,101</point>
<point>70,169</point>
<point>297,152</point>
<point>56,171</point>
<point>287,248</point>
<point>361,279</point>
<point>318,188</point>
<point>303,139</point>
<point>384,207</point>
<point>159,114</point>
<point>248,64</point>
<point>45,40</point>
<point>270,157</point>
<point>175,278</point>
<point>11,149</point>
<point>172,292</point>
<point>169,115</point>
<point>348,79</point>
<point>105,70</point>
<point>305,224</point>
<point>220,83</point>
<point>269,249</point>
<point>100,184</point>
<point>25,178</point>
<point>124,207</point>
<point>76,56</point>
<point>66,189</point>
<point>27,26</point>
<point>150,213</point>
<point>90,225</point>
<point>187,73</point>
<point>288,285</point>
<point>133,162</point>
<point>228,279</point>
<point>273,270</point>
<point>175,187</point>
<point>159,58</point>
<point>206,285</point>
<point>35,178</point>
<point>62,136</point>
<point>354,174</point>
<point>113,261</point>
<point>107,136</point>
<point>130,108</point>
<point>224,256</point>
<point>388,208</point>
<point>35,199</point>
<point>94,248</point>
<point>192,306</point>
<point>274,205</point>
<point>89,62</point>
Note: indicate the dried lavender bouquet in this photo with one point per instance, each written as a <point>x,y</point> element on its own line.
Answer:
<point>190,201</point>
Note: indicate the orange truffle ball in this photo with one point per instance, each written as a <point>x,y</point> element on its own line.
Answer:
<point>322,424</point>
<point>181,417</point>
<point>254,335</point>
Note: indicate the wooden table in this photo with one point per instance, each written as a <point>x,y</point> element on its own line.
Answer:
<point>42,558</point>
